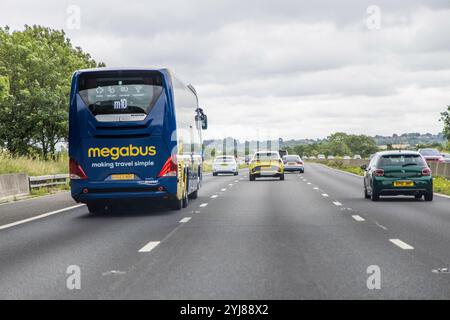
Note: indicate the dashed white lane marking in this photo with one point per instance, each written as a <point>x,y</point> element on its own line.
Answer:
<point>381,226</point>
<point>224,189</point>
<point>184,220</point>
<point>401,244</point>
<point>358,218</point>
<point>309,183</point>
<point>214,196</point>
<point>9,225</point>
<point>230,184</point>
<point>315,188</point>
<point>337,203</point>
<point>236,180</point>
<point>203,205</point>
<point>324,195</point>
<point>149,246</point>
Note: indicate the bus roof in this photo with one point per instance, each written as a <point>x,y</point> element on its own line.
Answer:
<point>121,69</point>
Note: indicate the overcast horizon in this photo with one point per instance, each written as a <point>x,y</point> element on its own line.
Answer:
<point>291,69</point>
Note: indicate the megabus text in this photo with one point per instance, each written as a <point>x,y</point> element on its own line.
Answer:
<point>116,152</point>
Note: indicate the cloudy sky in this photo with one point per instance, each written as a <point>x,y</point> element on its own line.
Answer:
<point>295,69</point>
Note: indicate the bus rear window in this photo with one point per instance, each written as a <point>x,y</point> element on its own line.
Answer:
<point>120,92</point>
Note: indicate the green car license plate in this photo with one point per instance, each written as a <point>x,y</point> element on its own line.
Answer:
<point>403,183</point>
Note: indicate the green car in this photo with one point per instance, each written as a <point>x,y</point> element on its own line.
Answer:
<point>392,173</point>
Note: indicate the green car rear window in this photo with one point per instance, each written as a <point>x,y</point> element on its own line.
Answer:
<point>401,160</point>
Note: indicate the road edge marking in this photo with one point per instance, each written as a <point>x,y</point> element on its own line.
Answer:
<point>44,215</point>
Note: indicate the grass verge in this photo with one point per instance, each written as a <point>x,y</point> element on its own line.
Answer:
<point>33,167</point>
<point>339,165</point>
<point>441,185</point>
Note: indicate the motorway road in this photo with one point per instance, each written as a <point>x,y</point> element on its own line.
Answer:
<point>312,236</point>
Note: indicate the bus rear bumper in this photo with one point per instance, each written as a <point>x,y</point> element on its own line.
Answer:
<point>86,191</point>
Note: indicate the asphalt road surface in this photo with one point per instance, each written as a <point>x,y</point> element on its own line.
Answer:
<point>312,236</point>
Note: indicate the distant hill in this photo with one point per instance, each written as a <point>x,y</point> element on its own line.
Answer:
<point>402,139</point>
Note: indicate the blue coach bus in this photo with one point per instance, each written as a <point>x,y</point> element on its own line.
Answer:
<point>134,134</point>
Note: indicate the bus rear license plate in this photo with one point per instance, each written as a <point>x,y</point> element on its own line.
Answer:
<point>123,176</point>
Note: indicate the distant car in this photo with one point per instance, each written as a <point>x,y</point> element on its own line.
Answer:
<point>283,153</point>
<point>432,155</point>
<point>391,173</point>
<point>321,157</point>
<point>346,158</point>
<point>312,158</point>
<point>357,156</point>
<point>266,164</point>
<point>225,164</point>
<point>330,157</point>
<point>305,158</point>
<point>446,157</point>
<point>293,163</point>
<point>247,159</point>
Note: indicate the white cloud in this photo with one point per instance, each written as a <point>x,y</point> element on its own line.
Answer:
<point>303,69</point>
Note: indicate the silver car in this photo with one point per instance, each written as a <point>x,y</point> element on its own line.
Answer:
<point>293,163</point>
<point>446,157</point>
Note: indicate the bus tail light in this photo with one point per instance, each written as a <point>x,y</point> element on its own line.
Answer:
<point>75,170</point>
<point>169,169</point>
<point>426,172</point>
<point>378,172</point>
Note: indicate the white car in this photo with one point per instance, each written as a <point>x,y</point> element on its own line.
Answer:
<point>346,158</point>
<point>330,157</point>
<point>357,156</point>
<point>321,157</point>
<point>225,164</point>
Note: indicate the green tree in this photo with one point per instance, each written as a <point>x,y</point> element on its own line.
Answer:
<point>445,118</point>
<point>36,65</point>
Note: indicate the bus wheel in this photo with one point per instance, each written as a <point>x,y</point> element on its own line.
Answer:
<point>95,207</point>
<point>176,204</point>
<point>185,200</point>
<point>194,195</point>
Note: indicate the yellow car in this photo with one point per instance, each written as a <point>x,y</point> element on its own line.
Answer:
<point>266,164</point>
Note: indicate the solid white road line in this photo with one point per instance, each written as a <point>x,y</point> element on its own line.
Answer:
<point>9,225</point>
<point>214,196</point>
<point>324,195</point>
<point>358,218</point>
<point>184,220</point>
<point>203,205</point>
<point>441,195</point>
<point>401,244</point>
<point>149,246</point>
<point>337,203</point>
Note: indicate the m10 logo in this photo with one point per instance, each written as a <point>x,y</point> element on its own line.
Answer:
<point>120,104</point>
